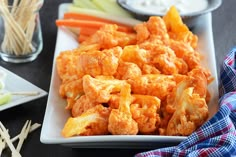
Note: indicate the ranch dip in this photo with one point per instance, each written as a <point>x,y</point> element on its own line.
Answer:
<point>162,6</point>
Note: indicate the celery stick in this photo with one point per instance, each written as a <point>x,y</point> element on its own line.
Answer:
<point>73,8</point>
<point>79,3</point>
<point>5,98</point>
<point>2,84</point>
<point>85,4</point>
<point>111,7</point>
<point>125,20</point>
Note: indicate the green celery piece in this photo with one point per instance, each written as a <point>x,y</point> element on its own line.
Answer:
<point>97,13</point>
<point>5,98</point>
<point>2,85</point>
<point>73,8</point>
<point>85,4</point>
<point>111,7</point>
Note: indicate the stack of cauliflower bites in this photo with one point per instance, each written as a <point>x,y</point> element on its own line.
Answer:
<point>147,82</point>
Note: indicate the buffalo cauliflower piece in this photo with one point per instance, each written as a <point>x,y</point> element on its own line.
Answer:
<point>109,36</point>
<point>94,121</point>
<point>82,105</point>
<point>191,112</point>
<point>66,64</point>
<point>177,30</point>
<point>145,111</point>
<point>127,70</point>
<point>153,84</point>
<point>195,79</point>
<point>98,90</point>
<point>120,120</point>
<point>98,62</point>
<point>151,30</point>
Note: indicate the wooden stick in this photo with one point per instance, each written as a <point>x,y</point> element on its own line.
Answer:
<point>27,93</point>
<point>32,128</point>
<point>14,6</point>
<point>6,136</point>
<point>23,134</point>
<point>2,145</point>
<point>18,41</point>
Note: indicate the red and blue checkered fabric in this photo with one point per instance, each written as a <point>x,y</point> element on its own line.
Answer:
<point>217,137</point>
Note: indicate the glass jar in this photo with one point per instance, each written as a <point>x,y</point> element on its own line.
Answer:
<point>20,30</point>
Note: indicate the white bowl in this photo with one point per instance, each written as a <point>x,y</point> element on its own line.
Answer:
<point>188,18</point>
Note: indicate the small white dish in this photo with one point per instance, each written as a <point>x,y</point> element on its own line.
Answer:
<point>188,18</point>
<point>14,83</point>
<point>56,115</point>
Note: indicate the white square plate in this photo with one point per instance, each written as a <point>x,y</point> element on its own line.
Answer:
<point>56,115</point>
<point>14,83</point>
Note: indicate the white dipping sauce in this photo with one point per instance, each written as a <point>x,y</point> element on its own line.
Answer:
<point>162,6</point>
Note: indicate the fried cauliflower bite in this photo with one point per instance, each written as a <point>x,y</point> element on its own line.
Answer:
<point>154,58</point>
<point>114,101</point>
<point>195,79</point>
<point>145,111</point>
<point>153,84</point>
<point>187,37</point>
<point>191,112</point>
<point>94,121</point>
<point>149,69</point>
<point>186,52</point>
<point>70,103</point>
<point>157,28</point>
<point>100,91</point>
<point>153,29</point>
<point>164,58</point>
<point>136,55</point>
<point>177,30</point>
<point>71,89</point>
<point>193,59</point>
<point>180,48</point>
<point>71,86</point>
<point>199,82</point>
<point>108,36</point>
<point>82,105</point>
<point>120,120</point>
<point>66,64</point>
<point>127,70</point>
<point>174,97</point>
<point>166,61</point>
<point>103,62</point>
<point>142,32</point>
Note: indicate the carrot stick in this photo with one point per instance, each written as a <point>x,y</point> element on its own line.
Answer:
<point>79,16</point>
<point>87,31</point>
<point>78,23</point>
<point>82,38</point>
<point>87,23</point>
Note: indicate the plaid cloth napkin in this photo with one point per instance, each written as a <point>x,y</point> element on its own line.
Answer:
<point>217,137</point>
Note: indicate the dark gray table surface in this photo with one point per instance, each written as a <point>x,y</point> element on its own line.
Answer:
<point>39,73</point>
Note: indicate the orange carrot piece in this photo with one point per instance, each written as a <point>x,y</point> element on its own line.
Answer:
<point>87,31</point>
<point>82,38</point>
<point>90,24</point>
<point>79,23</point>
<point>79,16</point>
